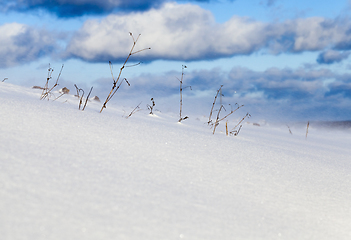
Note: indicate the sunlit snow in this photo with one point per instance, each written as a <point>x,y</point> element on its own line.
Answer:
<point>80,175</point>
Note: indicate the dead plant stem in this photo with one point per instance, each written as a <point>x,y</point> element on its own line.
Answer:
<point>86,100</point>
<point>213,104</point>
<point>114,86</point>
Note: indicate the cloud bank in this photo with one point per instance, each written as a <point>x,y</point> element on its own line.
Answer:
<point>280,94</point>
<point>182,32</point>
<point>187,32</point>
<point>22,44</point>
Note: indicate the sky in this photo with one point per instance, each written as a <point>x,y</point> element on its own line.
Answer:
<point>284,60</point>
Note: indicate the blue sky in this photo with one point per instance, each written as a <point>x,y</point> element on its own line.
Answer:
<point>284,60</point>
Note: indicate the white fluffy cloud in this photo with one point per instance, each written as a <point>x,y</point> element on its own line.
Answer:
<point>188,32</point>
<point>173,32</point>
<point>20,43</point>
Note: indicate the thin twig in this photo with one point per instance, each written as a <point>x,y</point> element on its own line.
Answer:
<point>86,100</point>
<point>111,66</point>
<point>217,119</point>
<point>231,112</point>
<point>119,87</point>
<point>181,95</point>
<point>80,97</point>
<point>59,96</point>
<point>226,128</point>
<point>214,102</point>
<point>236,132</point>
<point>47,82</point>
<point>134,110</point>
<point>46,86</point>
<point>114,86</point>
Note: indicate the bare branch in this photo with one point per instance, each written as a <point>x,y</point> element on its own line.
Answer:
<point>115,87</point>
<point>86,100</point>
<point>140,51</point>
<point>46,91</point>
<point>181,95</point>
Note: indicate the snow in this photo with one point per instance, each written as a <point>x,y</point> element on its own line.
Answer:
<point>70,174</point>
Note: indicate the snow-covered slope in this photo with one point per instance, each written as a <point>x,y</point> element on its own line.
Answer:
<point>68,174</point>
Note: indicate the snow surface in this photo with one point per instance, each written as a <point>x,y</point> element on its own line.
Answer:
<point>70,174</point>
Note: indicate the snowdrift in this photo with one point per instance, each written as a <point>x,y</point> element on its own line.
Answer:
<point>70,174</point>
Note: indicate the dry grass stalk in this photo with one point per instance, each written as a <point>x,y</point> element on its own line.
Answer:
<point>226,128</point>
<point>236,132</point>
<point>63,91</point>
<point>181,95</point>
<point>217,119</point>
<point>151,107</point>
<point>78,95</point>
<point>86,100</point>
<point>46,91</point>
<point>231,112</point>
<point>308,124</point>
<point>213,104</point>
<point>46,87</point>
<point>115,87</point>
<point>136,109</point>
<point>216,123</point>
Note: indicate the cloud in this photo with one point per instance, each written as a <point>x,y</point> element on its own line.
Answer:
<point>332,56</point>
<point>73,8</point>
<point>268,3</point>
<point>279,84</point>
<point>290,94</point>
<point>340,87</point>
<point>21,44</point>
<point>274,94</point>
<point>187,32</point>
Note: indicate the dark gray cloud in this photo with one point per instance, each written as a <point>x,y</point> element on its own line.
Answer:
<point>332,56</point>
<point>187,32</point>
<point>21,44</point>
<point>73,8</point>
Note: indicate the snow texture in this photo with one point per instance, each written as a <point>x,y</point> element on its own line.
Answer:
<point>70,174</point>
